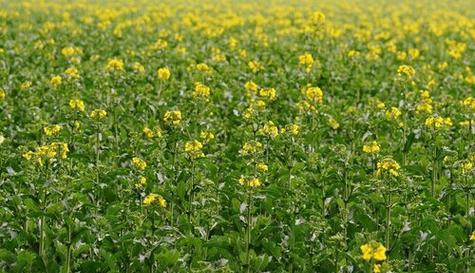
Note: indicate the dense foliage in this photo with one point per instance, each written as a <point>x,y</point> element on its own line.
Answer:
<point>237,136</point>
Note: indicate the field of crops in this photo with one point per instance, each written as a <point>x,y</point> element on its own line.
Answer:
<point>237,136</point>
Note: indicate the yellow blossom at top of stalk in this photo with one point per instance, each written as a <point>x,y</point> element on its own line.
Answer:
<point>388,165</point>
<point>251,86</point>
<point>252,182</point>
<point>139,163</point>
<point>268,93</point>
<point>52,130</point>
<point>371,147</point>
<point>98,114</point>
<point>201,90</point>
<point>472,237</point>
<point>76,104</point>
<point>138,68</point>
<point>250,148</point>
<point>255,66</point>
<point>141,182</point>
<point>154,198</point>
<point>194,149</point>
<point>163,73</point>
<point>262,167</point>
<point>172,117</point>
<point>3,94</point>
<point>115,64</point>
<point>318,18</point>
<point>394,113</point>
<point>313,94</point>
<point>202,67</point>
<point>49,151</point>
<point>406,70</point>
<point>438,122</point>
<point>373,250</point>
<point>72,72</point>
<point>306,59</point>
<point>334,124</point>
<point>293,129</point>
<point>206,136</point>
<point>469,102</point>
<point>55,80</point>
<point>269,129</point>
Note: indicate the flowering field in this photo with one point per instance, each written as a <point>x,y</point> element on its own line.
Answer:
<point>237,136</point>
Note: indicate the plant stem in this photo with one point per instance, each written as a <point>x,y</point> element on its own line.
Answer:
<point>248,235</point>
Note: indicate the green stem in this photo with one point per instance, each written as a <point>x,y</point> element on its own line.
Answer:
<point>248,235</point>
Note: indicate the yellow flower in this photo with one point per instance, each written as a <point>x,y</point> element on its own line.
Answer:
<point>314,94</point>
<point>371,148</point>
<point>72,72</point>
<point>202,67</point>
<point>377,268</point>
<point>318,18</point>
<point>438,122</point>
<point>201,90</point>
<point>139,163</point>
<point>163,73</point>
<point>268,93</point>
<point>251,86</point>
<point>367,252</point>
<point>194,149</point>
<point>148,132</point>
<point>115,64</point>
<point>306,59</point>
<point>56,80</point>
<point>373,250</point>
<point>2,94</point>
<point>138,68</point>
<point>52,130</point>
<point>154,198</point>
<point>333,123</point>
<point>172,117</point>
<point>76,104</point>
<point>262,167</point>
<point>394,113</point>
<point>26,85</point>
<point>255,66</point>
<point>251,148</point>
<point>141,182</point>
<point>472,237</point>
<point>98,114</point>
<point>206,136</point>
<point>293,129</point>
<point>406,70</point>
<point>269,129</point>
<point>252,182</point>
<point>388,165</point>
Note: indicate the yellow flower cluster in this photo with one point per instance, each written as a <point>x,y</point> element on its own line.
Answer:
<point>371,147</point>
<point>406,70</point>
<point>394,113</point>
<point>373,250</point>
<point>251,148</point>
<point>163,73</point>
<point>269,129</point>
<point>154,198</point>
<point>98,114</point>
<point>52,130</point>
<point>201,90</point>
<point>76,104</point>
<point>56,80</point>
<point>149,133</point>
<point>139,163</point>
<point>438,122</point>
<point>313,94</point>
<point>115,64</point>
<point>388,165</point>
<point>172,117</point>
<point>252,182</point>
<point>194,149</point>
<point>50,151</point>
